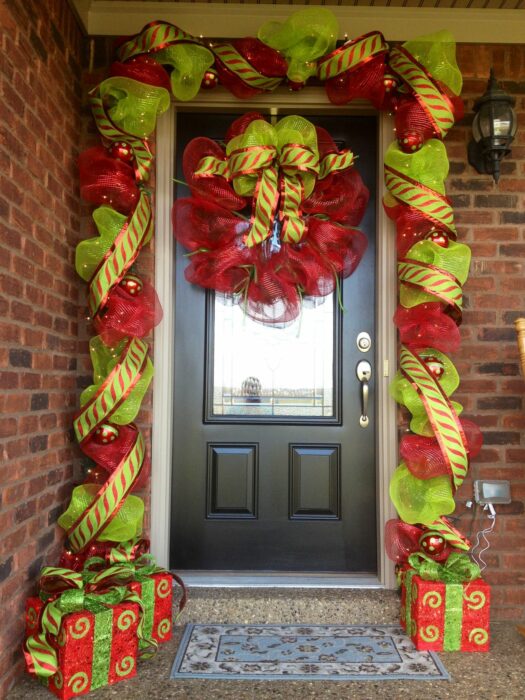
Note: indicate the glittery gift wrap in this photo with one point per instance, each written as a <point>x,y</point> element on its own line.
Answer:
<point>93,648</point>
<point>442,616</point>
<point>156,593</point>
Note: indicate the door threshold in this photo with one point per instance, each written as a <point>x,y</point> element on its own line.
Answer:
<point>250,579</point>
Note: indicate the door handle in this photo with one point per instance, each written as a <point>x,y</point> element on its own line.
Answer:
<point>364,373</point>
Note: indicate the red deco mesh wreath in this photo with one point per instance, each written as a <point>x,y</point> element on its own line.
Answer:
<point>271,218</point>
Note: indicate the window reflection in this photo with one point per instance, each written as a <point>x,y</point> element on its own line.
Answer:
<point>264,371</point>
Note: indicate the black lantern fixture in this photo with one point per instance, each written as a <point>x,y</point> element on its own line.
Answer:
<point>493,129</point>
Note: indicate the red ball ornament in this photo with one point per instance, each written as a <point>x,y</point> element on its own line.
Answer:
<point>434,366</point>
<point>390,83</point>
<point>432,543</point>
<point>295,86</point>
<point>132,285</point>
<point>105,434</point>
<point>440,238</point>
<point>410,142</point>
<point>210,80</point>
<point>122,151</point>
<point>96,475</point>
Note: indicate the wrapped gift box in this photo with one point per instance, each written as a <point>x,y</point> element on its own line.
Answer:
<point>156,593</point>
<point>441,616</point>
<point>94,648</point>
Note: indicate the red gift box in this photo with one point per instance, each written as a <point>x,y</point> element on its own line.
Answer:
<point>93,648</point>
<point>441,616</point>
<point>156,593</point>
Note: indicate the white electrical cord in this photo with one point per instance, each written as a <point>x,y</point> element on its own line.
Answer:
<point>482,534</point>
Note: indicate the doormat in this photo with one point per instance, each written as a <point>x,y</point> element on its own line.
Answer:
<point>303,652</point>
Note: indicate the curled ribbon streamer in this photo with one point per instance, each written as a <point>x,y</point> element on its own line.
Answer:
<point>441,414</point>
<point>458,568</point>
<point>154,37</point>
<point>234,61</point>
<point>71,595</point>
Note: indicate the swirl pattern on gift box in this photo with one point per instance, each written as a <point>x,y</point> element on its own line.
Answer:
<point>80,628</point>
<point>475,600</point>
<point>163,628</point>
<point>433,599</point>
<point>430,633</point>
<point>78,682</point>
<point>125,666</point>
<point>478,635</point>
<point>126,619</point>
<point>310,242</point>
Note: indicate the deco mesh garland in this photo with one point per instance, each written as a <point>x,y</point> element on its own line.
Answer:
<point>271,221</point>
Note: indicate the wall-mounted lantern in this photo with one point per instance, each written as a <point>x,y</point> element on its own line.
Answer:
<point>493,129</point>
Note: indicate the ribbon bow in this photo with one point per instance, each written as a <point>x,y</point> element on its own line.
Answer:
<point>65,592</point>
<point>458,568</point>
<point>279,167</point>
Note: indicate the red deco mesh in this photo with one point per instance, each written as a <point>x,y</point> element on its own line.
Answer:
<point>107,180</point>
<point>144,69</point>
<point>411,225</point>
<point>365,82</point>
<point>240,124</point>
<point>423,455</point>
<point>412,118</point>
<point>126,315</point>
<point>214,187</point>
<point>402,540</point>
<point>342,196</point>
<point>427,326</point>
<point>109,456</point>
<point>262,58</point>
<point>76,562</point>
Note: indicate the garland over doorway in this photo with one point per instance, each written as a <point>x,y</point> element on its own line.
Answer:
<point>420,83</point>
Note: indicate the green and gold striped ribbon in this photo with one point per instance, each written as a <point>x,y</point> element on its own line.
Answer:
<point>351,55</point>
<point>238,65</point>
<point>122,254</point>
<point>441,414</point>
<point>432,204</point>
<point>432,280</point>
<point>112,133</point>
<point>433,100</point>
<point>154,37</point>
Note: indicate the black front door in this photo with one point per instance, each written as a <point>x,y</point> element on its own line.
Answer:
<point>272,470</point>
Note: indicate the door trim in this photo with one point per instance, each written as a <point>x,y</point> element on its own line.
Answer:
<point>310,99</point>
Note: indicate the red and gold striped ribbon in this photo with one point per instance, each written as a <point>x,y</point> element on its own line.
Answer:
<point>441,414</point>
<point>430,96</point>
<point>228,55</point>
<point>352,55</point>
<point>122,254</point>
<point>449,533</point>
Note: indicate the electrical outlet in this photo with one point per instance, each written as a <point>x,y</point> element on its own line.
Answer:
<point>492,492</point>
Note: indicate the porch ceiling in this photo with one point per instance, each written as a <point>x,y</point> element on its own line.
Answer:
<point>472,21</point>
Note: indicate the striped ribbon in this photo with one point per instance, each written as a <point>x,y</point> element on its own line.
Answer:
<point>114,389</point>
<point>351,55</point>
<point>432,204</point>
<point>237,64</point>
<point>112,133</point>
<point>432,280</point>
<point>153,37</point>
<point>108,499</point>
<point>122,254</point>
<point>433,100</point>
<point>449,533</point>
<point>441,414</point>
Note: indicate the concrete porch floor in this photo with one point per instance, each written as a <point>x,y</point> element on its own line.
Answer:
<point>498,674</point>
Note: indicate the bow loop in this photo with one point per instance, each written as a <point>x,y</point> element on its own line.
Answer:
<point>458,568</point>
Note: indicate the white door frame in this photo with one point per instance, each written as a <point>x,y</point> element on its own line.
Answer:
<point>386,347</point>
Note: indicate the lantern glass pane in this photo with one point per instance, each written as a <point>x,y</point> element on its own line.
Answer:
<point>503,120</point>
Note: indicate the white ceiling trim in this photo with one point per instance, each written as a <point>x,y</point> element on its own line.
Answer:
<point>231,20</point>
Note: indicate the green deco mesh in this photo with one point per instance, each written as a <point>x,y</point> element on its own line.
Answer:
<point>454,259</point>
<point>304,37</point>
<point>290,130</point>
<point>404,393</point>
<point>126,525</point>
<point>134,106</point>
<point>420,500</point>
<point>104,360</point>
<point>189,62</point>
<point>437,53</point>
<point>90,252</point>
<point>429,165</point>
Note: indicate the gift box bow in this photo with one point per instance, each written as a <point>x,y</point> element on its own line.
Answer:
<point>458,568</point>
<point>64,592</point>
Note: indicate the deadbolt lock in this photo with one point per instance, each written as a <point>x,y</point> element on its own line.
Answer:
<point>364,342</point>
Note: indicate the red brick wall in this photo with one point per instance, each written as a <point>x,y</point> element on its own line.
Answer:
<point>40,72</point>
<point>491,219</point>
